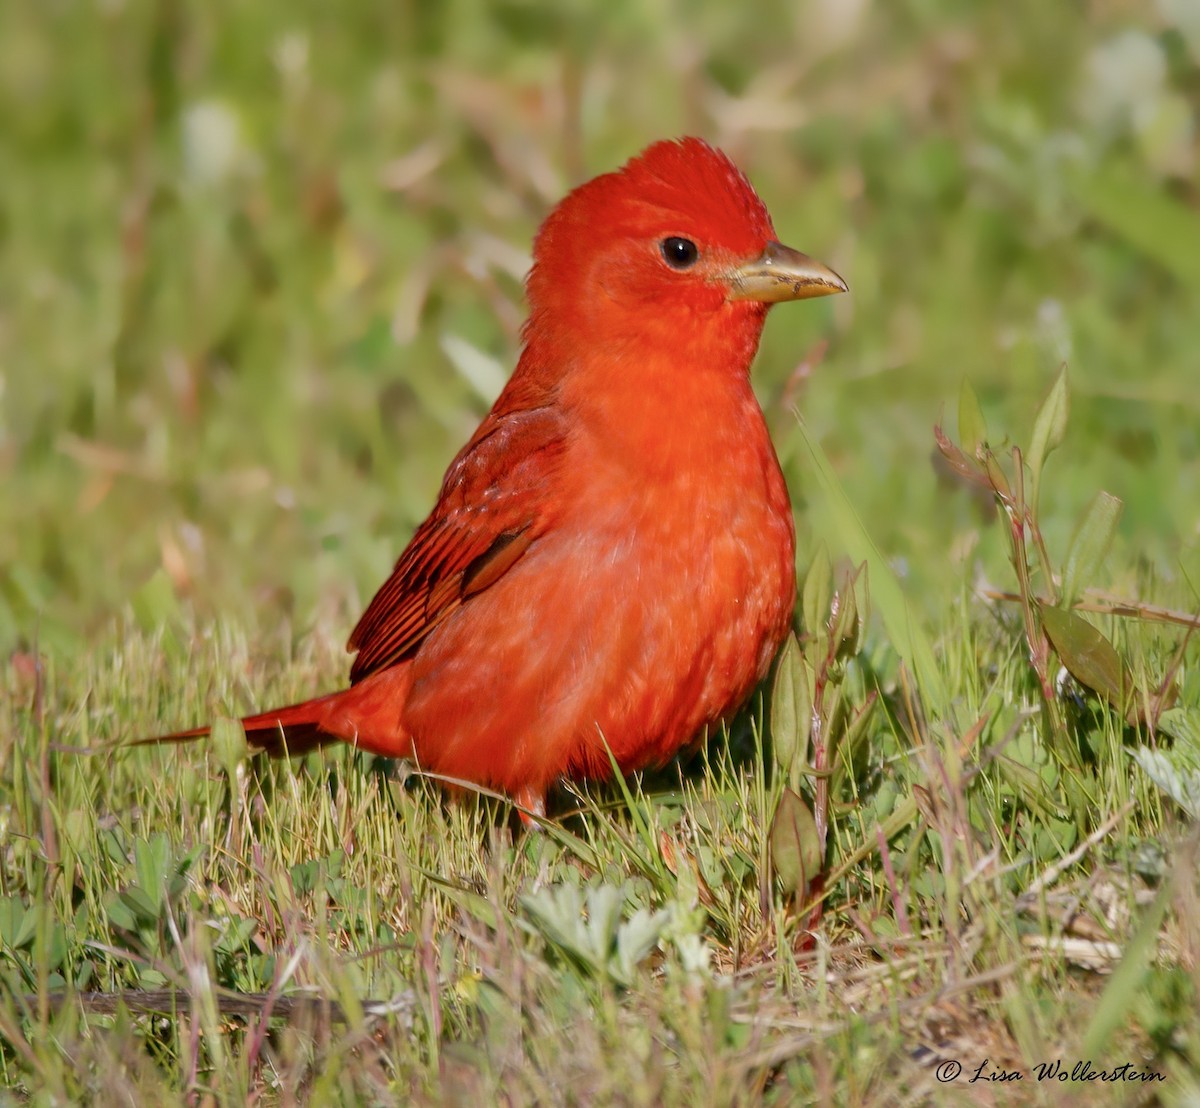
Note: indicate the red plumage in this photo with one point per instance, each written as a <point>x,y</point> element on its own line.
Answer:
<point>610,558</point>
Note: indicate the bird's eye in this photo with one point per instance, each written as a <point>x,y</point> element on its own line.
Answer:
<point>679,253</point>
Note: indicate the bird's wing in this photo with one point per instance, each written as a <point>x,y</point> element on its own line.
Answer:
<point>491,508</point>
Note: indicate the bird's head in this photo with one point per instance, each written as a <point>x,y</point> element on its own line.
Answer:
<point>676,245</point>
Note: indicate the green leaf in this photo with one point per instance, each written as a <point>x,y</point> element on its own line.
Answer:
<point>236,934</point>
<point>56,947</point>
<point>1090,545</point>
<point>635,940</point>
<point>17,923</point>
<point>996,477</point>
<point>818,591</point>
<point>1177,776</point>
<point>791,707</point>
<point>304,876</point>
<point>1183,725</point>
<point>1049,429</point>
<point>152,864</point>
<point>132,908</point>
<point>120,914</point>
<point>556,912</point>
<point>228,743</point>
<point>972,431</point>
<point>1089,657</point>
<point>604,904</point>
<point>795,845</point>
<point>850,623</point>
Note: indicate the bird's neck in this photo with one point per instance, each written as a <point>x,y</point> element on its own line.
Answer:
<point>673,398</point>
<point>597,353</point>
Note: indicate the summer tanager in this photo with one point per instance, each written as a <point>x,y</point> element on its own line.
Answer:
<point>610,562</point>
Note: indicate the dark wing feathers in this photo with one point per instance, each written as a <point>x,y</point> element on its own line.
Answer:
<point>491,508</point>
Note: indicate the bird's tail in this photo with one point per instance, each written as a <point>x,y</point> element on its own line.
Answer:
<point>296,729</point>
<point>367,715</point>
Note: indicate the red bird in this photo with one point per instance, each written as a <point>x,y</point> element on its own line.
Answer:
<point>610,561</point>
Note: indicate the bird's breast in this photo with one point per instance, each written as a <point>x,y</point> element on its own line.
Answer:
<point>692,563</point>
<point>650,604</point>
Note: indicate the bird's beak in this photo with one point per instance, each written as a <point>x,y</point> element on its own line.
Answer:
<point>781,273</point>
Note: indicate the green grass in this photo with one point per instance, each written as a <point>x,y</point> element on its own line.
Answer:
<point>259,277</point>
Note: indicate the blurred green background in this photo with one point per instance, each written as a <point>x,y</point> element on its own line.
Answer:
<point>260,269</point>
